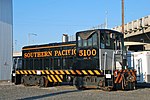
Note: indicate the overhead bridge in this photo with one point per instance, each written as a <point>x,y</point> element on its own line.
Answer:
<point>137,31</point>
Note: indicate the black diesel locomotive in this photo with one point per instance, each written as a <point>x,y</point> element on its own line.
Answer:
<point>95,60</point>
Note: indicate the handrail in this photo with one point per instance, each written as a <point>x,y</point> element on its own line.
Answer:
<point>105,58</point>
<point>113,59</point>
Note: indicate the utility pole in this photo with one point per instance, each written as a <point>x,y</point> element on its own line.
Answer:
<point>106,20</point>
<point>15,47</point>
<point>123,16</point>
<point>29,35</point>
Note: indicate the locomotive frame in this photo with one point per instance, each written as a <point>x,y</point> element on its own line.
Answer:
<point>95,60</point>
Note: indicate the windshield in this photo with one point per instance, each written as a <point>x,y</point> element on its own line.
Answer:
<point>17,63</point>
<point>90,40</point>
<point>111,40</point>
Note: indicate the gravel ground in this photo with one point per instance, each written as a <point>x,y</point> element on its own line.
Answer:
<point>9,91</point>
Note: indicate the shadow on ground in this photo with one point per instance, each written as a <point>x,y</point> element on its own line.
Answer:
<point>142,85</point>
<point>49,95</point>
<point>138,85</point>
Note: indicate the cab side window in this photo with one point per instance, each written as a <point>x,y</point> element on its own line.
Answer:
<point>102,41</point>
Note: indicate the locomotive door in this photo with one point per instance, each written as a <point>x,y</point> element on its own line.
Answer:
<point>140,74</point>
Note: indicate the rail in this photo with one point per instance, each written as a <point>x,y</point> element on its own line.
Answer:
<point>105,62</point>
<point>113,59</point>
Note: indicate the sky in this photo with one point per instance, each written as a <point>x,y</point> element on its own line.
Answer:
<point>38,22</point>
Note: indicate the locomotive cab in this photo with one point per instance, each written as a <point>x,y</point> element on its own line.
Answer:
<point>99,55</point>
<point>99,49</point>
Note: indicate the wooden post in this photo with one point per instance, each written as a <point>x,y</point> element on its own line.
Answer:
<point>123,16</point>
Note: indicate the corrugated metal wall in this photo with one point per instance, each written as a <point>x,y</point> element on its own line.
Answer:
<point>6,20</point>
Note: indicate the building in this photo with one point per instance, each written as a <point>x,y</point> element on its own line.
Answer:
<point>140,61</point>
<point>6,39</point>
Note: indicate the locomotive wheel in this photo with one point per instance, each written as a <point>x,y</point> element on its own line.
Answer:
<point>24,80</point>
<point>36,78</point>
<point>46,82</point>
<point>68,78</point>
<point>41,82</point>
<point>51,84</point>
<point>107,88</point>
<point>31,80</point>
<point>78,83</point>
<point>133,86</point>
<point>17,79</point>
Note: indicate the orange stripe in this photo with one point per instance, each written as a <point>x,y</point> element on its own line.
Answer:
<point>47,72</point>
<point>48,47</point>
<point>120,79</point>
<point>58,78</point>
<point>29,72</point>
<point>56,71</point>
<point>53,78</point>
<point>84,72</point>
<point>97,72</point>
<point>61,76</point>
<point>133,73</point>
<point>125,70</point>
<point>25,72</point>
<point>62,72</point>
<point>17,72</point>
<point>117,78</point>
<point>42,71</point>
<point>67,72</point>
<point>90,72</point>
<point>48,77</point>
<point>21,72</point>
<point>72,72</point>
<point>115,73</point>
<point>51,72</point>
<point>78,72</point>
<point>33,71</point>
